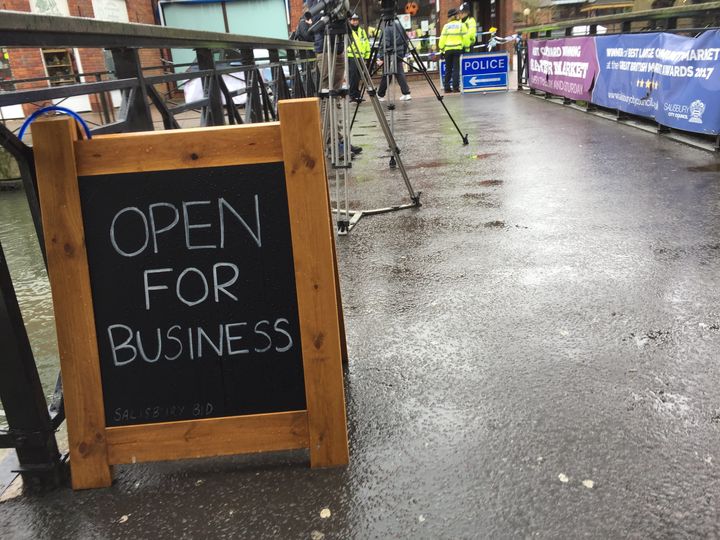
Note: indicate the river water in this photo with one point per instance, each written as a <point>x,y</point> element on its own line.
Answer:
<point>22,251</point>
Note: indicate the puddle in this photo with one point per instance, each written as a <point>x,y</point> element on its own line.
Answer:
<point>426,165</point>
<point>494,224</point>
<point>490,183</point>
<point>483,199</point>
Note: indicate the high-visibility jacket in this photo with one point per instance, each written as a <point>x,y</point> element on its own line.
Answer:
<point>453,37</point>
<point>362,42</point>
<point>471,24</point>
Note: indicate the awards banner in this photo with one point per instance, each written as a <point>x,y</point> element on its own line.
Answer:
<point>673,79</point>
<point>564,67</point>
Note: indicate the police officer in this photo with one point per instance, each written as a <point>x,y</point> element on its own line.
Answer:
<point>453,41</point>
<point>363,45</point>
<point>465,15</point>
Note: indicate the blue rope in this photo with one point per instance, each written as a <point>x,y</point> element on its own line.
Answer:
<point>30,119</point>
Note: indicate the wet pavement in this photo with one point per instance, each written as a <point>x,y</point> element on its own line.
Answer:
<point>533,353</point>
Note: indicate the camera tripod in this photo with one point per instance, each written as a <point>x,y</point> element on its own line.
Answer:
<point>337,126</point>
<point>390,22</point>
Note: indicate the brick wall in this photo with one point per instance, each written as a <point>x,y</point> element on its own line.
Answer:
<point>296,11</point>
<point>143,11</point>
<point>29,64</point>
<point>25,63</point>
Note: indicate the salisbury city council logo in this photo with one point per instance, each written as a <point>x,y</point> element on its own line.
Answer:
<point>697,108</point>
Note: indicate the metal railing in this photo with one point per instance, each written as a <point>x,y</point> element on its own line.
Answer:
<point>287,71</point>
<point>690,20</point>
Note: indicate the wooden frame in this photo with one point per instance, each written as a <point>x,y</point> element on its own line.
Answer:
<point>297,141</point>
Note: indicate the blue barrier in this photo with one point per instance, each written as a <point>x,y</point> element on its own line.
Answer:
<point>670,78</point>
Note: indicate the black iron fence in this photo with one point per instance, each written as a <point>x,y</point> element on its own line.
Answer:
<point>285,71</point>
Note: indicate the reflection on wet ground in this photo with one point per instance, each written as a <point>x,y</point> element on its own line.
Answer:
<point>710,167</point>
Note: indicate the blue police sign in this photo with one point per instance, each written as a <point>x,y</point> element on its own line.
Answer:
<point>484,72</point>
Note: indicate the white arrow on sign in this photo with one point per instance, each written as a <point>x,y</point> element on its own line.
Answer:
<point>474,80</point>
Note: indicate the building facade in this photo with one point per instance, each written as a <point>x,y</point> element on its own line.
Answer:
<point>22,69</point>
<point>424,19</point>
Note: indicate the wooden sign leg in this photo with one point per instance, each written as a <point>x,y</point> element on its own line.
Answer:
<point>315,280</point>
<point>53,145</point>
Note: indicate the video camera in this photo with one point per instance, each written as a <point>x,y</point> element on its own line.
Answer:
<point>388,9</point>
<point>329,11</point>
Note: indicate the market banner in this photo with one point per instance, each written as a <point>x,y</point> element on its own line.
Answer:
<point>673,79</point>
<point>564,67</point>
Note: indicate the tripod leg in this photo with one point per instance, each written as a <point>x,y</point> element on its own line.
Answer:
<point>369,63</point>
<point>416,57</point>
<point>382,120</point>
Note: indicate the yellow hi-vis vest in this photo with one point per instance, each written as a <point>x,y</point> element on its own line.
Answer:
<point>453,37</point>
<point>471,24</point>
<point>362,42</point>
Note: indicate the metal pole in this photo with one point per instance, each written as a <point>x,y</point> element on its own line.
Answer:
<point>30,428</point>
<point>214,115</point>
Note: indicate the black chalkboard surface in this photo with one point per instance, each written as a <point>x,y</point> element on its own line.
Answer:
<point>194,297</point>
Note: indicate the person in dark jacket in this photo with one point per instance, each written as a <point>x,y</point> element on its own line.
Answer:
<point>302,32</point>
<point>395,46</point>
<point>336,30</point>
<point>319,43</point>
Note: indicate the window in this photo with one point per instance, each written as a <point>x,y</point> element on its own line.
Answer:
<point>6,84</point>
<point>59,66</point>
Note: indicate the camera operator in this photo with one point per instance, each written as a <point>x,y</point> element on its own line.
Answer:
<point>302,31</point>
<point>394,43</point>
<point>333,28</point>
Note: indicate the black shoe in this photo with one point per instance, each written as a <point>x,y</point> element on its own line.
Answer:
<point>447,90</point>
<point>354,150</point>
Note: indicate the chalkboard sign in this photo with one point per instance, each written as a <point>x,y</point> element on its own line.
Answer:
<point>196,294</point>
<point>193,287</point>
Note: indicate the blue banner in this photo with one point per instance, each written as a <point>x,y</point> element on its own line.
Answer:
<point>673,79</point>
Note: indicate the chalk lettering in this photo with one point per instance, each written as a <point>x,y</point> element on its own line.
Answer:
<point>178,287</point>
<point>223,204</point>
<point>267,337</point>
<point>188,225</point>
<point>289,337</point>
<point>113,238</point>
<point>220,287</point>
<point>153,227</point>
<point>177,340</point>
<point>124,345</point>
<point>141,348</point>
<point>231,338</point>
<point>203,335</point>
<point>149,288</point>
